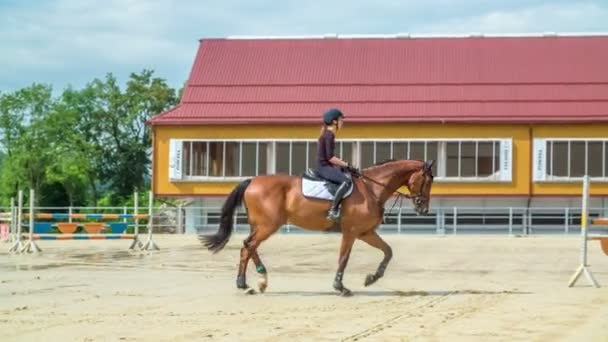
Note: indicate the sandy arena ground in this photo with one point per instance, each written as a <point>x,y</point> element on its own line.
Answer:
<point>464,288</point>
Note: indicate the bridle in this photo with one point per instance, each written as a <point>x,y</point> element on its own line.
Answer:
<point>417,197</point>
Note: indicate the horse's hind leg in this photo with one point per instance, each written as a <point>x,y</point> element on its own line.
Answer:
<point>261,269</point>
<point>373,239</point>
<point>249,250</point>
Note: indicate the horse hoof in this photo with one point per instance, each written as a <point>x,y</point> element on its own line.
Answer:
<point>370,279</point>
<point>345,292</point>
<point>262,286</point>
<point>262,283</point>
<point>249,291</point>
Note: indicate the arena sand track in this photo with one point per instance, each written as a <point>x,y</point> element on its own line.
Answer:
<point>449,288</point>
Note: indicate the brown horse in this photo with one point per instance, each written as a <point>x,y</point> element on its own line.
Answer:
<point>273,200</point>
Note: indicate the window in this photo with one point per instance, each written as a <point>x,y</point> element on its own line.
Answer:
<point>222,159</point>
<point>595,151</point>
<point>570,159</point>
<point>400,150</point>
<point>347,152</point>
<point>472,159</point>
<point>367,154</point>
<point>452,159</point>
<point>455,159</point>
<point>283,159</point>
<point>295,157</point>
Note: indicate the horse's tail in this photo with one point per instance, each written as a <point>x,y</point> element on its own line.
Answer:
<point>217,241</point>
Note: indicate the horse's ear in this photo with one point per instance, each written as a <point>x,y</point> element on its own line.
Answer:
<point>428,165</point>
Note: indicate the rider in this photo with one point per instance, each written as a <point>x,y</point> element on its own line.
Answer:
<point>329,166</point>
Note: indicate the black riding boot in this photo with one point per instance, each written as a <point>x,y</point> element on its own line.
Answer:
<point>334,211</point>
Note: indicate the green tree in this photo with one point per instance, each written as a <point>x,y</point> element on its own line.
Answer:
<point>126,138</point>
<point>23,137</point>
<point>86,145</point>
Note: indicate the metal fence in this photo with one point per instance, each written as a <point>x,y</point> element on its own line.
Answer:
<point>443,220</point>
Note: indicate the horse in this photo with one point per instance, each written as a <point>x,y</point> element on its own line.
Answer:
<point>271,201</point>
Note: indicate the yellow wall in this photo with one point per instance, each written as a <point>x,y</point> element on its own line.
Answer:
<point>519,133</point>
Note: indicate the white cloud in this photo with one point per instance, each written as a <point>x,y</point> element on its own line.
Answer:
<point>73,41</point>
<point>568,17</point>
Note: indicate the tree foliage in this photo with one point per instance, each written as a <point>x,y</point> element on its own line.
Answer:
<point>83,145</point>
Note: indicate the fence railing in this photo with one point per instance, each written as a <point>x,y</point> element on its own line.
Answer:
<point>442,220</point>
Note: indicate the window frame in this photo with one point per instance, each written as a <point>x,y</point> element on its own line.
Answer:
<point>271,155</point>
<point>543,156</point>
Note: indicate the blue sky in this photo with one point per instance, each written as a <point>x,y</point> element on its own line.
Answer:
<point>64,42</point>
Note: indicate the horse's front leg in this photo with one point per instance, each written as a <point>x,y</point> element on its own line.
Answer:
<point>373,239</point>
<point>345,248</point>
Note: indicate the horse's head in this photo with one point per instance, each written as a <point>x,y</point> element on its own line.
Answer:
<point>419,184</point>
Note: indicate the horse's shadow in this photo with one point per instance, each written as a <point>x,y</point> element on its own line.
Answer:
<point>396,293</point>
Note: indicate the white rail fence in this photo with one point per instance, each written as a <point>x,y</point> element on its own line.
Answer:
<point>443,220</point>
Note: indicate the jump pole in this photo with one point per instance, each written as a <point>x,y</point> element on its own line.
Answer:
<point>9,217</point>
<point>31,246</point>
<point>150,244</point>
<point>584,267</point>
<point>13,224</point>
<point>136,242</point>
<point>18,244</point>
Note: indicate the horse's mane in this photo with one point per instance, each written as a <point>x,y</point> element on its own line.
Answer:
<point>386,161</point>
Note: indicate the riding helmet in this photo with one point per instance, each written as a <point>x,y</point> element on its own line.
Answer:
<point>331,115</point>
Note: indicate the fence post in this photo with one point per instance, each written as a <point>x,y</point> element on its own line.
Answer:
<point>399,221</point>
<point>511,221</point>
<point>529,231</point>
<point>524,221</point>
<point>180,225</point>
<point>70,212</point>
<point>455,221</point>
<point>440,222</point>
<point>567,221</point>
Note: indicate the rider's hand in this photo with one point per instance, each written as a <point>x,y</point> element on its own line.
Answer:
<point>353,170</point>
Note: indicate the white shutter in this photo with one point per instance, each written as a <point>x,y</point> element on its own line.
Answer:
<point>506,160</point>
<point>540,160</point>
<point>175,159</point>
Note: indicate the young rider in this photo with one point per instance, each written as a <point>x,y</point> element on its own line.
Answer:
<point>329,166</point>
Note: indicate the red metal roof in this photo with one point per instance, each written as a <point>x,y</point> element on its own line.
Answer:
<point>483,79</point>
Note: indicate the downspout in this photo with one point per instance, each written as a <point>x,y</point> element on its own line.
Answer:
<point>528,224</point>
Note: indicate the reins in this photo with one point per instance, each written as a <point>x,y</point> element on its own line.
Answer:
<point>400,195</point>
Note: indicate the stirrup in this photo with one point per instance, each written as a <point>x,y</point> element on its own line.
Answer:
<point>333,215</point>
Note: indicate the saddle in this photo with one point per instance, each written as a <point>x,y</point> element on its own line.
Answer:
<point>313,186</point>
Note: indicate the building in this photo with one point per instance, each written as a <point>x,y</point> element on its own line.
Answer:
<point>512,121</point>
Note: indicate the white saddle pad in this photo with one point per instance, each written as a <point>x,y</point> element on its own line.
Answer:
<point>317,189</point>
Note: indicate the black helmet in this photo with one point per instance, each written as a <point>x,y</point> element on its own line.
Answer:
<point>331,115</point>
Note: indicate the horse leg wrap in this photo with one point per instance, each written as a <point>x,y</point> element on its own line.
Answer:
<point>338,281</point>
<point>261,269</point>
